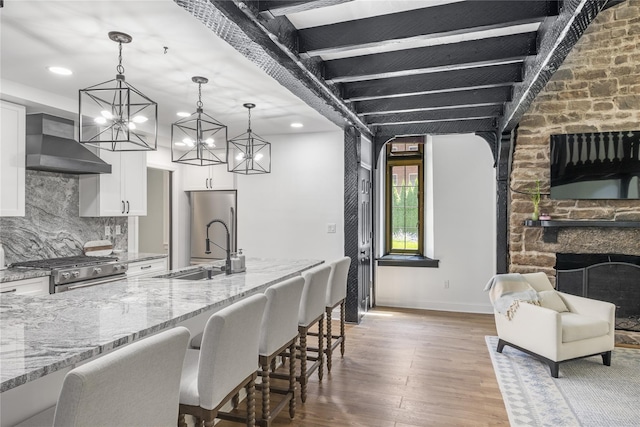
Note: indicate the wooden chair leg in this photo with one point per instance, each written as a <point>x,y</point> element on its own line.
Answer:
<point>342,334</point>
<point>329,350</point>
<point>292,379</point>
<point>251,403</point>
<point>303,365</point>
<point>320,347</point>
<point>235,400</point>
<point>266,390</point>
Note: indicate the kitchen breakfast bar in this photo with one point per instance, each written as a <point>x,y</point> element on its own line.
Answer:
<point>43,337</point>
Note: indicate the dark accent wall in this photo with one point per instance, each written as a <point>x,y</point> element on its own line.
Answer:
<point>351,161</point>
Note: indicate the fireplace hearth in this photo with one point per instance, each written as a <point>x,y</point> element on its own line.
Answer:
<point>607,277</point>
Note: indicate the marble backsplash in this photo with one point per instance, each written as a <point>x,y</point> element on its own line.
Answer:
<point>52,226</point>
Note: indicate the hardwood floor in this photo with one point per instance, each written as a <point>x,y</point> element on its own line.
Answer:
<point>407,368</point>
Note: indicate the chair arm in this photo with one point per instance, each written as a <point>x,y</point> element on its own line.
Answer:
<point>535,328</point>
<point>590,307</point>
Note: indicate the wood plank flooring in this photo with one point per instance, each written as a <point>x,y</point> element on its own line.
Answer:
<point>407,368</point>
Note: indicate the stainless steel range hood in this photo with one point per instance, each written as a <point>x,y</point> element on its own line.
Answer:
<point>51,147</point>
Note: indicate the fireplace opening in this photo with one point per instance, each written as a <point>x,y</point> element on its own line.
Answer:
<point>608,277</point>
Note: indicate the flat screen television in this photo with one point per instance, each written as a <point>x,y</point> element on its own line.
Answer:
<point>598,165</point>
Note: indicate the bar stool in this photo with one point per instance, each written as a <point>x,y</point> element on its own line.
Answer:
<point>336,295</point>
<point>137,385</point>
<point>278,336</point>
<point>311,312</point>
<point>225,364</point>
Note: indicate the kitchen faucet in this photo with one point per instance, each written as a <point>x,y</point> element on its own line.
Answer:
<point>227,265</point>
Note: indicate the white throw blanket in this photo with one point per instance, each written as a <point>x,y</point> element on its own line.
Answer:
<point>507,290</point>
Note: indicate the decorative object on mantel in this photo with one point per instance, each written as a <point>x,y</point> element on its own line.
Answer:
<point>544,216</point>
<point>204,137</point>
<point>535,198</point>
<point>251,154</point>
<point>116,116</point>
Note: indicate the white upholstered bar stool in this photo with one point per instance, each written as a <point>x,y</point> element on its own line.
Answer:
<point>336,295</point>
<point>278,336</point>
<point>311,312</point>
<point>226,363</point>
<point>137,385</point>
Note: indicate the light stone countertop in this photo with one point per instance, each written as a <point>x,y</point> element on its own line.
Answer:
<point>137,256</point>
<point>40,335</point>
<point>13,274</point>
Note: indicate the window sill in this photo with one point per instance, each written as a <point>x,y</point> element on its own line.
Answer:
<point>407,261</point>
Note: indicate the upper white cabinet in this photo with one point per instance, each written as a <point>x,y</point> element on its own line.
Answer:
<point>123,192</point>
<point>12,159</point>
<point>197,178</point>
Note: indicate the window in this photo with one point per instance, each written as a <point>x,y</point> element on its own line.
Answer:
<point>404,196</point>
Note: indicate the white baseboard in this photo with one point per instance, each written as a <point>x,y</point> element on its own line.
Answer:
<point>436,305</point>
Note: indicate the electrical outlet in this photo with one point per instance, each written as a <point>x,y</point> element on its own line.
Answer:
<point>107,231</point>
<point>118,230</point>
<point>446,284</point>
<point>331,228</point>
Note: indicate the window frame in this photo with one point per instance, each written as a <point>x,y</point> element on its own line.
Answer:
<point>404,158</point>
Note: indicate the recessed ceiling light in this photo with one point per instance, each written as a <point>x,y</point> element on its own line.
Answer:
<point>60,70</point>
<point>296,125</point>
<point>179,144</point>
<point>182,114</point>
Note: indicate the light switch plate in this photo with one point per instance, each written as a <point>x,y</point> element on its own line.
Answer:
<point>107,231</point>
<point>331,228</point>
<point>118,230</point>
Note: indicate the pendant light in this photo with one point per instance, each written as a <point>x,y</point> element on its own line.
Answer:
<point>116,116</point>
<point>199,139</point>
<point>250,153</point>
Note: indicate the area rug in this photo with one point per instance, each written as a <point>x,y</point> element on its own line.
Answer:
<point>587,393</point>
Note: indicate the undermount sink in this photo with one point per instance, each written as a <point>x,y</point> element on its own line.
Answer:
<point>198,274</point>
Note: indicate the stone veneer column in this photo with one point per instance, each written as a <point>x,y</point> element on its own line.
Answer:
<point>596,89</point>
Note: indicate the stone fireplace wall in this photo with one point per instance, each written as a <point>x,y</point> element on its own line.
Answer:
<point>596,89</point>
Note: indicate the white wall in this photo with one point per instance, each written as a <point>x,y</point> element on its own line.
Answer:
<point>464,204</point>
<point>285,214</point>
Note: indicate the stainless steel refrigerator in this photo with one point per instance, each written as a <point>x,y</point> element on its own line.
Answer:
<point>205,207</point>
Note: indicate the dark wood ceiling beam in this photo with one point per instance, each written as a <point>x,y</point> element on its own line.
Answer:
<point>273,8</point>
<point>434,101</point>
<point>441,81</point>
<point>415,61</point>
<point>428,22</point>
<point>465,113</point>
<point>436,128</point>
<point>557,38</point>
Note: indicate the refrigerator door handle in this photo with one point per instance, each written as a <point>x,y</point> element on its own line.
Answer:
<point>233,229</point>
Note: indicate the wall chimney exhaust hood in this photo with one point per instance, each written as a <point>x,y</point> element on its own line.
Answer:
<point>51,147</point>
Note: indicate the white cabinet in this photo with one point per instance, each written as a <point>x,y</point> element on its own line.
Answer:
<point>123,192</point>
<point>12,159</point>
<point>152,266</point>
<point>31,287</point>
<point>197,178</point>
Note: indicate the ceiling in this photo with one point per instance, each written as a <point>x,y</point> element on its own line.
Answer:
<point>397,67</point>
<point>73,34</point>
<point>401,67</point>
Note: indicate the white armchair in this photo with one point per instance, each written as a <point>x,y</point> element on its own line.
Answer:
<point>560,329</point>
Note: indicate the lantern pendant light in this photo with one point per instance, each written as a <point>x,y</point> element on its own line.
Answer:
<point>199,139</point>
<point>116,116</point>
<point>250,153</point>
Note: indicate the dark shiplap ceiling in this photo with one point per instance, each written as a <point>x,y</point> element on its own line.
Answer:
<point>419,67</point>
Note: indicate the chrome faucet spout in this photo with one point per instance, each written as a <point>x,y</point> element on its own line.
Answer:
<point>227,266</point>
